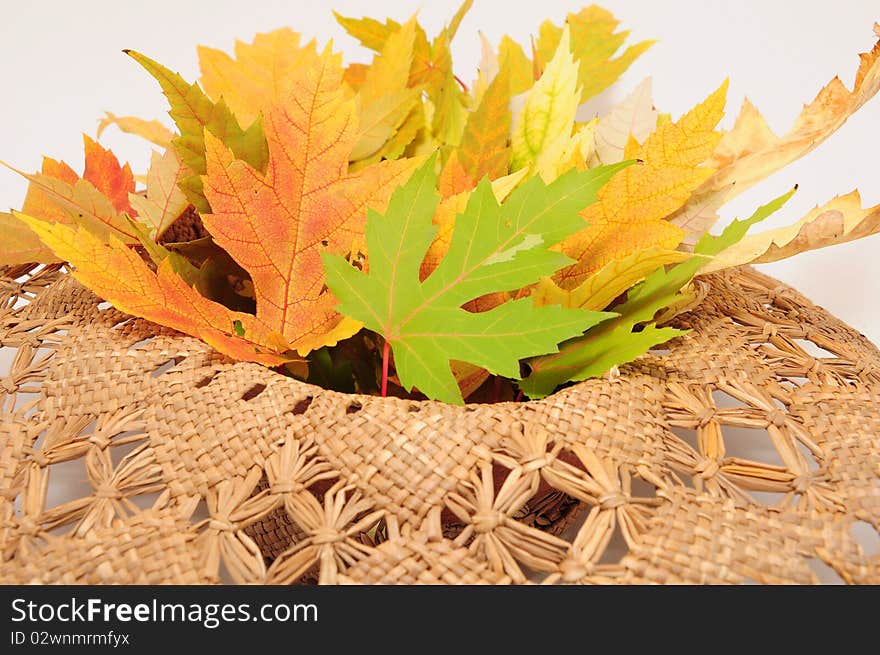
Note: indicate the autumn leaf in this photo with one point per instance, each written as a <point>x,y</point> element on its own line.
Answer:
<point>544,125</point>
<point>194,114</point>
<point>153,131</point>
<point>512,58</point>
<point>483,150</point>
<point>163,202</point>
<point>594,43</point>
<point>276,224</point>
<point>260,73</point>
<point>632,207</point>
<point>617,340</point>
<point>494,248</point>
<point>841,220</point>
<point>97,201</point>
<point>107,176</point>
<point>431,66</point>
<point>634,117</point>
<point>21,245</point>
<point>119,275</point>
<point>751,151</point>
<point>600,289</point>
<point>384,97</point>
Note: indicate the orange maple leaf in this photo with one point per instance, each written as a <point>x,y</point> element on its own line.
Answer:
<point>119,274</point>
<point>52,202</point>
<point>107,176</point>
<point>276,224</point>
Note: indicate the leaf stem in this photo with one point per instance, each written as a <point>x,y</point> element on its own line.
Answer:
<point>386,352</point>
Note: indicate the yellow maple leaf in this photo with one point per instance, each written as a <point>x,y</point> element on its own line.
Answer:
<point>384,99</point>
<point>262,71</point>
<point>629,214</point>
<point>594,43</point>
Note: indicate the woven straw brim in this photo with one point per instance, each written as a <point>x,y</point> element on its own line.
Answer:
<point>746,450</point>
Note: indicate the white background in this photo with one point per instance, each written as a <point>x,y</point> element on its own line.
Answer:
<point>61,67</point>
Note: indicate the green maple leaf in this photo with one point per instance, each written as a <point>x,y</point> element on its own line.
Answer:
<point>494,247</point>
<point>193,112</point>
<point>614,342</point>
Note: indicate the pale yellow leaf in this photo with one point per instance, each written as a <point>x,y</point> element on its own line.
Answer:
<point>635,117</point>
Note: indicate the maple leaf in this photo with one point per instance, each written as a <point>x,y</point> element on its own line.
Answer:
<point>431,66</point>
<point>544,125</point>
<point>163,201</point>
<point>593,42</point>
<point>751,151</point>
<point>634,117</point>
<point>194,114</point>
<point>841,220</point>
<point>275,224</point>
<point>630,213</point>
<point>21,245</point>
<point>600,289</point>
<point>512,58</point>
<point>152,131</point>
<point>614,341</point>
<point>98,200</point>
<point>119,275</point>
<point>483,150</point>
<point>494,247</point>
<point>384,96</point>
<point>260,73</point>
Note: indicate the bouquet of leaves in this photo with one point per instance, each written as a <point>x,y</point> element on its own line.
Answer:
<point>383,227</point>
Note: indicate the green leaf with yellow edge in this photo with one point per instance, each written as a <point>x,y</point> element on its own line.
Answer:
<point>193,113</point>
<point>614,342</point>
<point>495,247</point>
<point>594,43</point>
<point>544,125</point>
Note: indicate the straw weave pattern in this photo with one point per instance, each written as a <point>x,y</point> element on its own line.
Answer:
<point>196,469</point>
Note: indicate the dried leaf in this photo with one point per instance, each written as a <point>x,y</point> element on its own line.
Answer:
<point>841,220</point>
<point>751,152</point>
